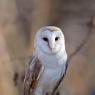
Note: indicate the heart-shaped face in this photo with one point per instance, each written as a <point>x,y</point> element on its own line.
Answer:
<point>50,40</point>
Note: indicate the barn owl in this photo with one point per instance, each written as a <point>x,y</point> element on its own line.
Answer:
<point>48,64</point>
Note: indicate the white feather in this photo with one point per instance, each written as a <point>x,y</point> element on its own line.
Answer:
<point>54,61</point>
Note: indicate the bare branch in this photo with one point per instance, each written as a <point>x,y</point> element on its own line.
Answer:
<point>90,25</point>
<point>78,49</point>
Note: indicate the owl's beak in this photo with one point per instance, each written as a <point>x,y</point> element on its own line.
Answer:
<point>51,46</point>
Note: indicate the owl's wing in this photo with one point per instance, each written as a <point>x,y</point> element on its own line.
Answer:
<point>33,73</point>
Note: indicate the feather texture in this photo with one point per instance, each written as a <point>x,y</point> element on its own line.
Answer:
<point>32,76</point>
<point>48,66</point>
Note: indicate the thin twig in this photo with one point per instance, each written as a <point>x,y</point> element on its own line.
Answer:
<point>90,25</point>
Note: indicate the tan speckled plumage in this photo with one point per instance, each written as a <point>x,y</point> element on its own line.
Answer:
<point>32,76</point>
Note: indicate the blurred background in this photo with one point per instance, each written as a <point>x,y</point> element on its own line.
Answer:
<point>19,21</point>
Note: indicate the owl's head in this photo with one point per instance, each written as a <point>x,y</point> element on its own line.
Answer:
<point>50,40</point>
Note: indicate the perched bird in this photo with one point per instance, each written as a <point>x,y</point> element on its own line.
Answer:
<point>48,64</point>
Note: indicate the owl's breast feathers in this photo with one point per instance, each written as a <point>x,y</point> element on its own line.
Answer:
<point>32,76</point>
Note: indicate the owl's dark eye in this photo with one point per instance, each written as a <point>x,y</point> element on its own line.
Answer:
<point>57,38</point>
<point>45,39</point>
